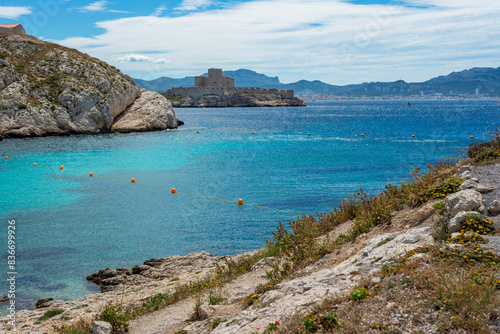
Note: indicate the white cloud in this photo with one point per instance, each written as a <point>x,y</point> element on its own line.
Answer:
<point>158,11</point>
<point>98,6</point>
<point>10,12</point>
<point>140,58</point>
<point>119,11</point>
<point>160,61</point>
<point>187,5</point>
<point>329,40</point>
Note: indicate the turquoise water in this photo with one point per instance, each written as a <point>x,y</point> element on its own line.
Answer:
<point>70,225</point>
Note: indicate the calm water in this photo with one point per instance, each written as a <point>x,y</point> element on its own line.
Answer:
<point>70,225</point>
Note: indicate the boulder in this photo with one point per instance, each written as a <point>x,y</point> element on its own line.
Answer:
<point>494,208</point>
<point>4,299</point>
<point>474,184</point>
<point>424,212</point>
<point>101,327</point>
<point>140,268</point>
<point>42,303</point>
<point>455,224</point>
<point>464,200</point>
<point>150,112</point>
<point>465,168</point>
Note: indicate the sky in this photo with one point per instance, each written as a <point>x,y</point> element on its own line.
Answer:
<point>335,41</point>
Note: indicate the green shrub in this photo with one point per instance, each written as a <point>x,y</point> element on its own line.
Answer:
<point>359,294</point>
<point>439,206</point>
<point>117,321</point>
<point>22,106</point>
<point>477,223</point>
<point>309,324</point>
<point>50,314</point>
<point>440,191</point>
<point>329,321</point>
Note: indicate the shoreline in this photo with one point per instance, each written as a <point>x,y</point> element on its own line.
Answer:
<point>165,274</point>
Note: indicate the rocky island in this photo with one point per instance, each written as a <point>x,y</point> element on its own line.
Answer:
<point>216,90</point>
<point>47,89</point>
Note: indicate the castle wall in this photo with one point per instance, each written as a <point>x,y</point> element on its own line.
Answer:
<point>198,92</point>
<point>18,30</point>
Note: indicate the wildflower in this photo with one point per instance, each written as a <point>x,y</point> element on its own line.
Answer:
<point>277,322</point>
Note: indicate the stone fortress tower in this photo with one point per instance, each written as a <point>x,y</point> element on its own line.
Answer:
<point>214,79</point>
<point>12,29</point>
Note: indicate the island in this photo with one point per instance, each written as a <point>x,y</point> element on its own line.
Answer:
<point>217,90</point>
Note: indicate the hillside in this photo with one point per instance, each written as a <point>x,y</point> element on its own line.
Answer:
<point>48,89</point>
<point>456,84</point>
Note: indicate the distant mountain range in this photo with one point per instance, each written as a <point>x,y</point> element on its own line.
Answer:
<point>481,80</point>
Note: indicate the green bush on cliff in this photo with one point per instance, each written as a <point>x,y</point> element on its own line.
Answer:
<point>117,321</point>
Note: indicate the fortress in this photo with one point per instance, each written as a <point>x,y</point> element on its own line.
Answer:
<point>12,29</point>
<point>217,84</point>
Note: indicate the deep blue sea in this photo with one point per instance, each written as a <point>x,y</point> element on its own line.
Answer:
<point>69,225</point>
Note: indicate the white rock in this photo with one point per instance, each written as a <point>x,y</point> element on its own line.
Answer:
<point>464,168</point>
<point>455,224</point>
<point>101,327</point>
<point>464,200</point>
<point>151,111</point>
<point>494,208</point>
<point>374,281</point>
<point>465,175</point>
<point>424,212</point>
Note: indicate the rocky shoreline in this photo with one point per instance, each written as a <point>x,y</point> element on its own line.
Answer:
<point>330,277</point>
<point>235,100</point>
<point>47,89</point>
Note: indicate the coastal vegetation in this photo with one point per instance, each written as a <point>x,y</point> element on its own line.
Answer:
<point>456,288</point>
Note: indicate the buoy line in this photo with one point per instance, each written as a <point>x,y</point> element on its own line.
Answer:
<point>173,191</point>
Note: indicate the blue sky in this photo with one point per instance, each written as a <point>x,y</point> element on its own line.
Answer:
<point>335,41</point>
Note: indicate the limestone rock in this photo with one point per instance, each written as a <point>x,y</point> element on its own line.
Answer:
<point>464,200</point>
<point>47,89</point>
<point>151,111</point>
<point>42,303</point>
<point>465,168</point>
<point>4,299</point>
<point>101,327</point>
<point>424,212</point>
<point>265,262</point>
<point>494,208</point>
<point>465,175</point>
<point>473,184</point>
<point>455,224</point>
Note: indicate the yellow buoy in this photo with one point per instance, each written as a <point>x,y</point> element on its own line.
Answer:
<point>362,135</point>
<point>132,181</point>
<point>173,191</point>
<point>471,137</point>
<point>61,168</point>
<point>91,174</point>
<point>34,164</point>
<point>413,136</point>
<point>6,158</point>
<point>197,131</point>
<point>309,134</point>
<point>240,202</point>
<point>253,133</point>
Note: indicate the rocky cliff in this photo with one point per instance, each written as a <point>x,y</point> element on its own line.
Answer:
<point>235,100</point>
<point>48,89</point>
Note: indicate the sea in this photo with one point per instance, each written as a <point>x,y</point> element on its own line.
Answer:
<point>282,162</point>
